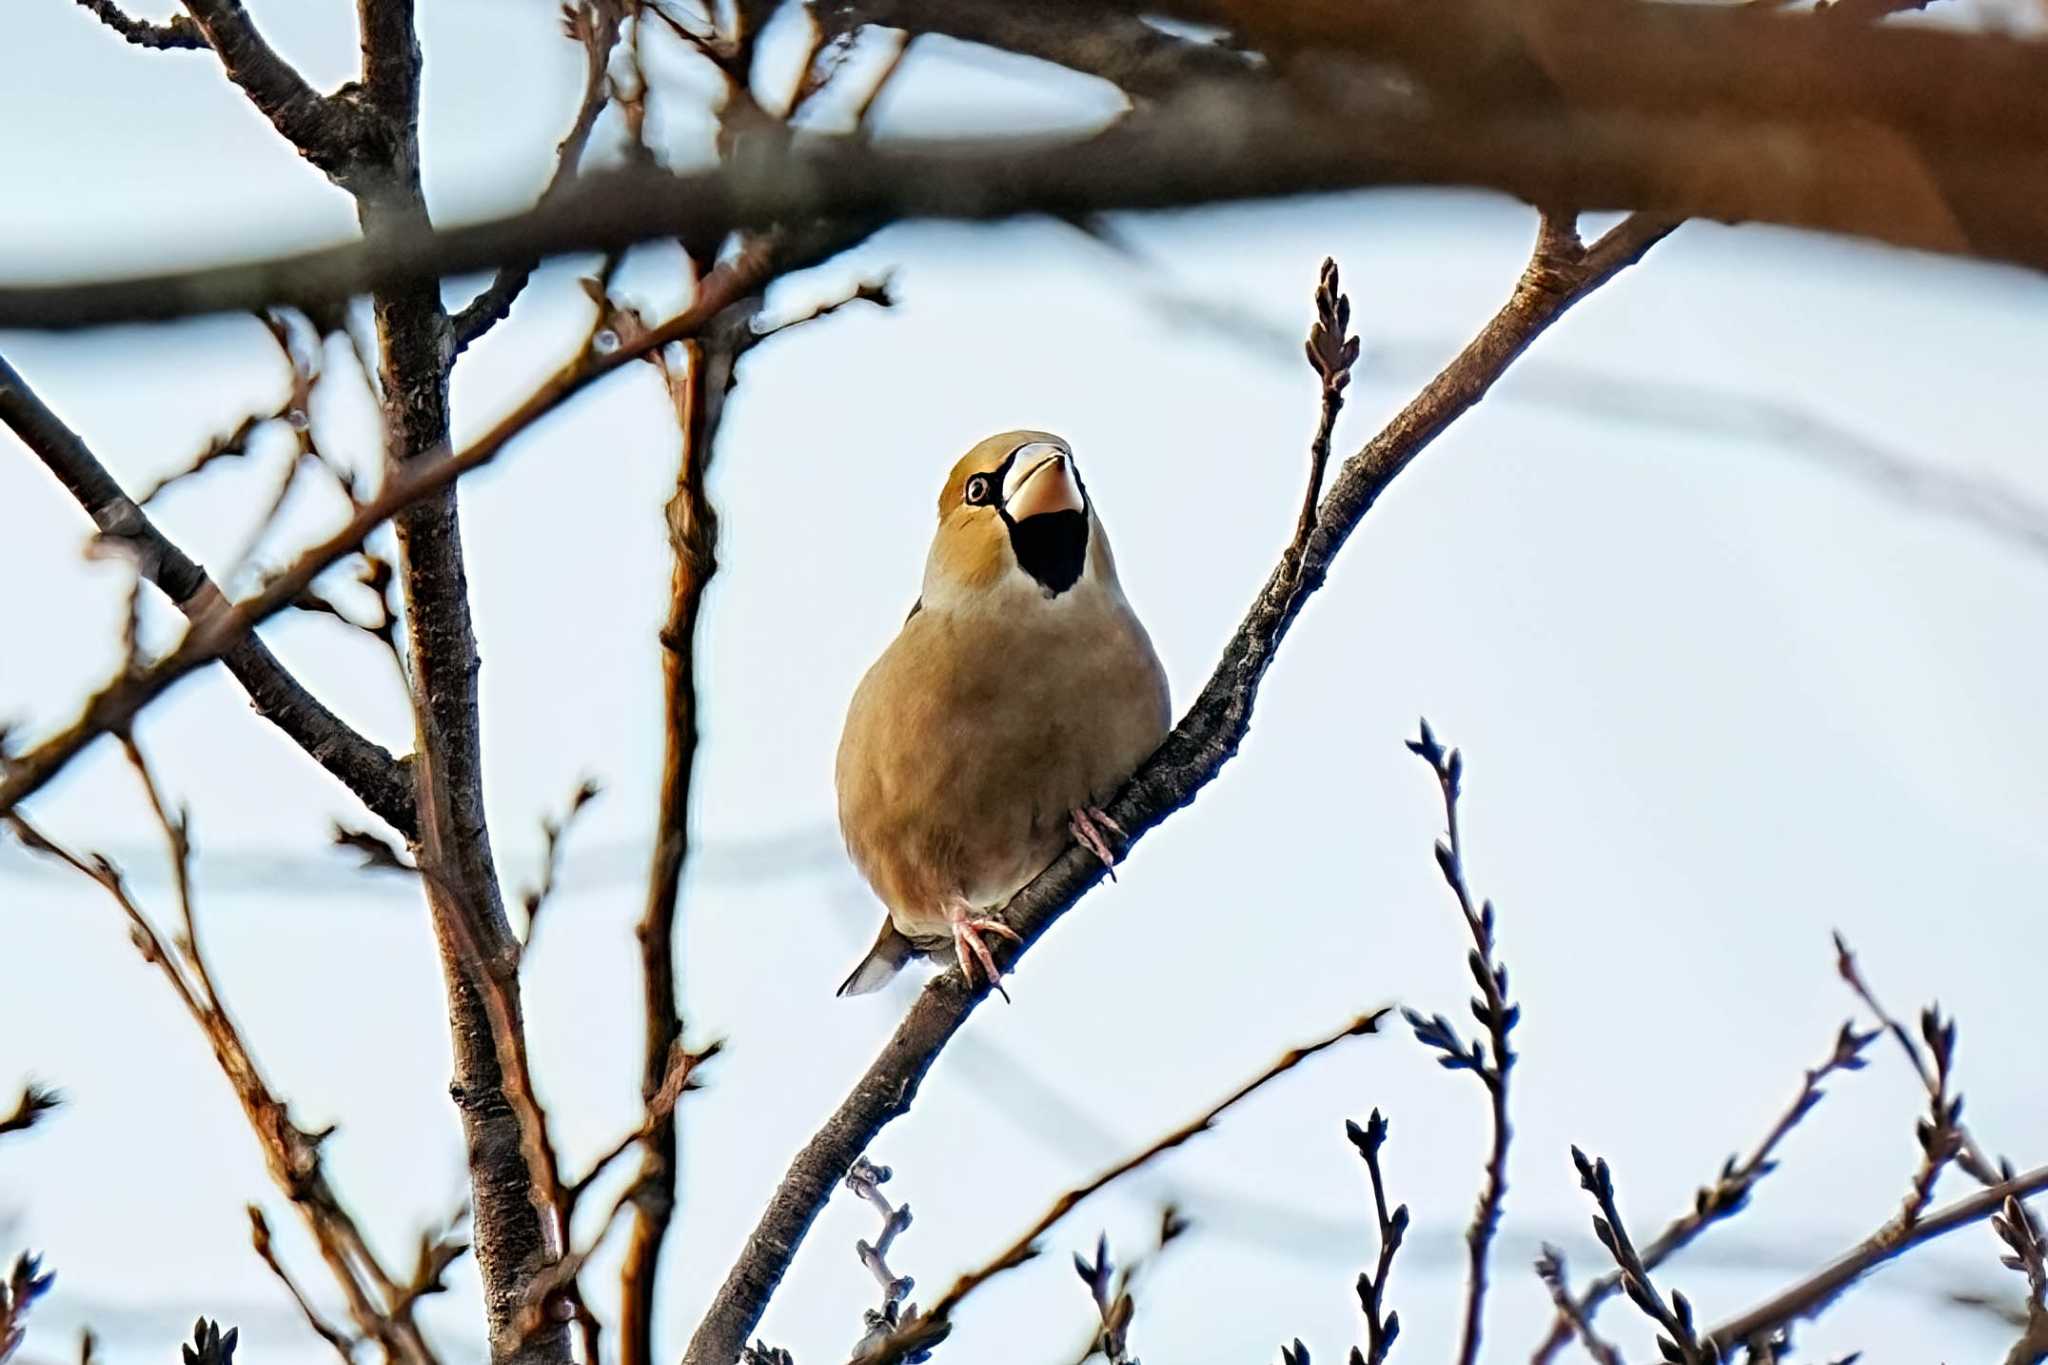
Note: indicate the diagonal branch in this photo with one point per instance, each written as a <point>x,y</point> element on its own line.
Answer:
<point>1814,1293</point>
<point>328,131</point>
<point>365,768</point>
<point>1188,760</point>
<point>219,625</point>
<point>177,32</point>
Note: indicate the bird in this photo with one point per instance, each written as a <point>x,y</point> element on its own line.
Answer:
<point>1019,694</point>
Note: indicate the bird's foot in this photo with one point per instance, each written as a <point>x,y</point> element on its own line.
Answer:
<point>1086,823</point>
<point>969,949</point>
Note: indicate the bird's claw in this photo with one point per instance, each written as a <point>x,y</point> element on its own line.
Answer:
<point>969,949</point>
<point>1086,823</point>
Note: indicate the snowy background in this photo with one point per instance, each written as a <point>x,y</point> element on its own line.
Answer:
<point>1732,594</point>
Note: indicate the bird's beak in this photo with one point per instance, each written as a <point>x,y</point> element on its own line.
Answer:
<point>1041,479</point>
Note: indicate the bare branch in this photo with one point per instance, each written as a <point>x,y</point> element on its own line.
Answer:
<point>218,626</point>
<point>329,132</point>
<point>259,1237</point>
<point>35,1102</point>
<point>1186,761</point>
<point>866,1180</point>
<point>1725,1198</point>
<point>1909,135</point>
<point>595,25</point>
<point>1491,1007</point>
<point>1381,1326</point>
<point>367,769</point>
<point>177,32</point>
<point>291,1153</point>
<point>554,831</point>
<point>1332,350</point>
<point>1550,1268</point>
<point>928,1328</point>
<point>25,1283</point>
<point>1681,1342</point>
<point>1139,58</point>
<point>1809,1296</point>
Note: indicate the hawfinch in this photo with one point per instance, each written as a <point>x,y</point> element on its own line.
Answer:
<point>1019,695</point>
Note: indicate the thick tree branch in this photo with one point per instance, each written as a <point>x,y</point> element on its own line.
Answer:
<point>329,132</point>
<point>1187,761</point>
<point>177,32</point>
<point>1934,142</point>
<point>380,781</point>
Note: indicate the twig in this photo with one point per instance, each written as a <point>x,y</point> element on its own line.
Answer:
<point>176,32</point>
<point>1968,1155</point>
<point>1681,1342</point>
<point>931,1327</point>
<point>1332,350</point>
<point>1727,1196</point>
<point>379,780</point>
<point>291,1153</point>
<point>1381,1326</point>
<point>1115,1304</point>
<point>2016,1229</point>
<point>1550,1268</point>
<point>1186,761</point>
<point>1492,1008</point>
<point>866,1180</point>
<point>26,1283</point>
<point>1809,1296</point>
<point>217,626</point>
<point>35,1102</point>
<point>554,831</point>
<point>594,24</point>
<point>259,1237</point>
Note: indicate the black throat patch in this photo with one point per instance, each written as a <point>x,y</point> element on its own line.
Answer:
<point>1052,547</point>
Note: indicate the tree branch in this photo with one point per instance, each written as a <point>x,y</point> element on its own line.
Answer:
<point>1143,61</point>
<point>367,769</point>
<point>1810,1295</point>
<point>926,1329</point>
<point>595,25</point>
<point>177,32</point>
<point>218,626</point>
<point>1934,144</point>
<point>328,132</point>
<point>698,387</point>
<point>1188,760</point>
<point>1726,1197</point>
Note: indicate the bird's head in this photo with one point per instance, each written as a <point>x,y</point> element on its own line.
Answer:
<point>1015,515</point>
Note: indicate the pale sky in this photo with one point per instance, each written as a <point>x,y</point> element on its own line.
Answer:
<point>1720,692</point>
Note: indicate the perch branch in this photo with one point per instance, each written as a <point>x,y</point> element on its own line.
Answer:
<point>1186,761</point>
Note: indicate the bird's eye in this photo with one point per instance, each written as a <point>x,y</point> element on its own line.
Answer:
<point>980,490</point>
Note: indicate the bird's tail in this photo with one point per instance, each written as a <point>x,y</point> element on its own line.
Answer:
<point>883,961</point>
